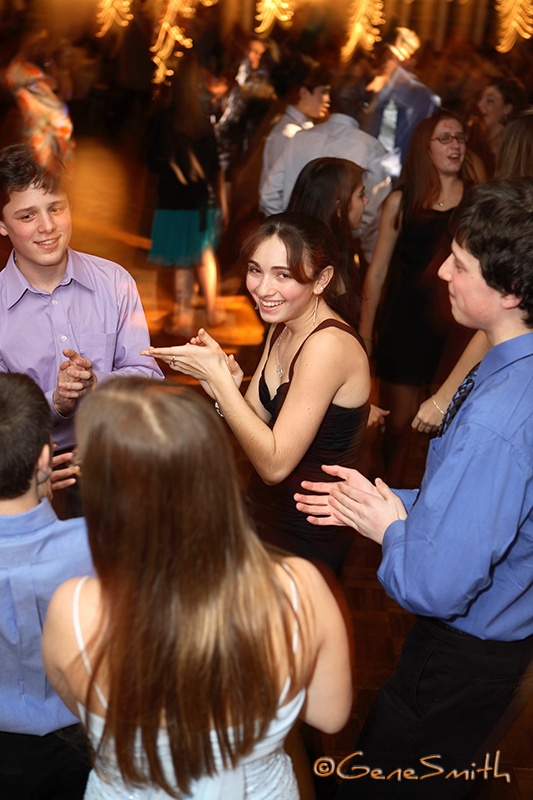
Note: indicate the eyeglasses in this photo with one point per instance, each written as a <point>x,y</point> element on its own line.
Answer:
<point>447,138</point>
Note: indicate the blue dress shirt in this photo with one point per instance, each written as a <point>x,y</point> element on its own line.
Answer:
<point>37,553</point>
<point>414,102</point>
<point>465,552</point>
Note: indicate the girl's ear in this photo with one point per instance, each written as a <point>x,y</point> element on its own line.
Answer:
<point>323,279</point>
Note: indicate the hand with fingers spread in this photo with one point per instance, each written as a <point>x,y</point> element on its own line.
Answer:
<point>317,505</point>
<point>353,501</point>
<point>75,378</point>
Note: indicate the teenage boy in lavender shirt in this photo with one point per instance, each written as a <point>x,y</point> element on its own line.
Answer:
<point>68,319</point>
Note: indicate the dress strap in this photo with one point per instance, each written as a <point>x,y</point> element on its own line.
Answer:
<point>80,640</point>
<point>294,604</point>
<point>296,629</point>
<point>327,323</point>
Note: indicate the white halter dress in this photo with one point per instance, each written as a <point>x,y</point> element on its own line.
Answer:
<point>265,774</point>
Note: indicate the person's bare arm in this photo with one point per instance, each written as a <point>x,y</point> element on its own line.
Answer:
<point>326,649</point>
<point>326,365</point>
<point>429,415</point>
<point>379,267</point>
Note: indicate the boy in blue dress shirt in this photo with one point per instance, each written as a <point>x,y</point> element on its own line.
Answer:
<point>458,552</point>
<point>42,751</point>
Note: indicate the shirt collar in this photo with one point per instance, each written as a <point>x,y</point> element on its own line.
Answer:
<point>336,116</point>
<point>297,116</point>
<point>17,285</point>
<point>505,353</point>
<point>29,522</point>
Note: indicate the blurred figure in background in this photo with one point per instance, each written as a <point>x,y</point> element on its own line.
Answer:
<point>515,158</point>
<point>191,200</point>
<point>503,98</point>
<point>307,97</point>
<point>398,101</point>
<point>249,99</point>
<point>46,123</point>
<point>340,137</point>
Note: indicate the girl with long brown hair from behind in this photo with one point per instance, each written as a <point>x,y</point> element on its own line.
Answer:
<point>193,651</point>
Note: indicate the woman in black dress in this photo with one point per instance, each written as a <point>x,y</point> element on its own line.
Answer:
<point>307,403</point>
<point>401,279</point>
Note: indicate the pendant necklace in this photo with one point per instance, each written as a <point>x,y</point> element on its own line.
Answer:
<point>279,367</point>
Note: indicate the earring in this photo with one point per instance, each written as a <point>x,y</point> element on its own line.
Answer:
<point>316,309</point>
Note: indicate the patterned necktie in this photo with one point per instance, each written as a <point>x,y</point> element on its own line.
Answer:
<point>458,399</point>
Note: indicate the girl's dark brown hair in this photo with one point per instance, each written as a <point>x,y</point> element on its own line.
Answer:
<point>310,248</point>
<point>190,596</point>
<point>324,189</point>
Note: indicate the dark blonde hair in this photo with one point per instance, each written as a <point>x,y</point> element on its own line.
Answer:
<point>515,157</point>
<point>190,596</point>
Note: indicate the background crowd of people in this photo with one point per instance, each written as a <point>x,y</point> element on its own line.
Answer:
<point>378,215</point>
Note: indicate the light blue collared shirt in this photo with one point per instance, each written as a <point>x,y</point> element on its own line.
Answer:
<point>38,552</point>
<point>465,552</point>
<point>95,310</point>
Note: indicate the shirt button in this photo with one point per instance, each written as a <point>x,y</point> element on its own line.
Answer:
<point>63,338</point>
<point>54,302</point>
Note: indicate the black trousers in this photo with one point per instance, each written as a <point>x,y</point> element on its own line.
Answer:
<point>432,727</point>
<point>51,767</point>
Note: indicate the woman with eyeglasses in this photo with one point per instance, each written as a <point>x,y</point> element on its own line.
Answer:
<point>412,328</point>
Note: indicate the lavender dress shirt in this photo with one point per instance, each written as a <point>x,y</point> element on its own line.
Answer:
<point>95,310</point>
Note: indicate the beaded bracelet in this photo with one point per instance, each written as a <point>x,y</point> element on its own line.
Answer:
<point>217,409</point>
